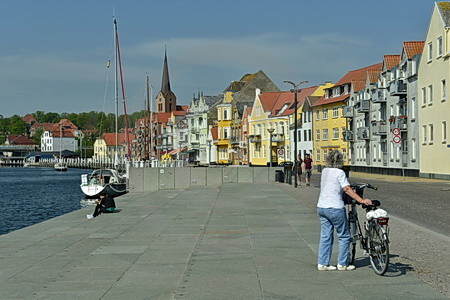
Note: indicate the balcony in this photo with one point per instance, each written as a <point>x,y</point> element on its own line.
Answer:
<point>348,136</point>
<point>234,140</point>
<point>398,87</point>
<point>400,122</point>
<point>379,128</point>
<point>347,112</point>
<point>363,133</point>
<point>278,137</point>
<point>379,95</point>
<point>254,138</point>
<point>362,106</point>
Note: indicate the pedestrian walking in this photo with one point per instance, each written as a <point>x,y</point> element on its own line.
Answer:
<point>332,213</point>
<point>308,169</point>
<point>299,169</point>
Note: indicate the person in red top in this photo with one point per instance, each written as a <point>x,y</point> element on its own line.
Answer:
<point>308,169</point>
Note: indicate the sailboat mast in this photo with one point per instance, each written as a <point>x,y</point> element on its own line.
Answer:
<point>147,121</point>
<point>116,94</point>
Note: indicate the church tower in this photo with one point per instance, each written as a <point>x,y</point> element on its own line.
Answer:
<point>166,101</point>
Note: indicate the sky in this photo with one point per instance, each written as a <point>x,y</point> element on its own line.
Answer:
<point>53,53</point>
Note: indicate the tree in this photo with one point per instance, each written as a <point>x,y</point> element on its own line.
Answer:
<point>37,136</point>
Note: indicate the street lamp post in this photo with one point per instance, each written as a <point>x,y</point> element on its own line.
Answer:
<point>209,151</point>
<point>270,130</point>
<point>295,91</point>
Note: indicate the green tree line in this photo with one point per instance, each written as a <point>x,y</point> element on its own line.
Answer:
<point>92,120</point>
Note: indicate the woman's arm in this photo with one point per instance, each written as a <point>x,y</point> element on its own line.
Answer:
<point>349,191</point>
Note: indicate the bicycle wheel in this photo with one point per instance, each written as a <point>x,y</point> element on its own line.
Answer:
<point>353,235</point>
<point>379,249</point>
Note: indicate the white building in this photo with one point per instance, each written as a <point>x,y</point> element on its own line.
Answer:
<point>51,141</point>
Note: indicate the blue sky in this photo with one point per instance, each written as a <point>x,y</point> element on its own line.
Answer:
<point>53,53</point>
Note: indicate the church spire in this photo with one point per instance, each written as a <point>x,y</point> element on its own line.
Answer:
<point>165,83</point>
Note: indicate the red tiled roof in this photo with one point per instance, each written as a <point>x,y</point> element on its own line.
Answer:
<point>19,140</point>
<point>179,112</point>
<point>391,61</point>
<point>359,74</point>
<point>323,101</point>
<point>373,75</point>
<point>110,138</point>
<point>413,47</point>
<point>162,117</point>
<point>28,118</point>
<point>65,133</point>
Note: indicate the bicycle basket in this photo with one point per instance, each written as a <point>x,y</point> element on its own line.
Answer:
<point>383,221</point>
<point>347,199</point>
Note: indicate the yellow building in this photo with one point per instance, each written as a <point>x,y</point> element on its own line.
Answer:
<point>105,146</point>
<point>275,112</point>
<point>329,125</point>
<point>433,105</point>
<point>237,96</point>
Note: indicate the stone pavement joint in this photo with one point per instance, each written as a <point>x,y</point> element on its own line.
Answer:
<point>239,241</point>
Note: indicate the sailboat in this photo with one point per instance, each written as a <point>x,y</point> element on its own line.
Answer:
<point>60,166</point>
<point>110,180</point>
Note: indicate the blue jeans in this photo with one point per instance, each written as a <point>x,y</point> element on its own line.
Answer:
<point>332,218</point>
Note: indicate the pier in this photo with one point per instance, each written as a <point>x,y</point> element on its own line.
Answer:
<point>229,241</point>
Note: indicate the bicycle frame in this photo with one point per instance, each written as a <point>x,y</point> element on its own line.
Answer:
<point>375,239</point>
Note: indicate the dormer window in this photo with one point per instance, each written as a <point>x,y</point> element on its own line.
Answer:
<point>346,89</point>
<point>336,92</point>
<point>327,94</point>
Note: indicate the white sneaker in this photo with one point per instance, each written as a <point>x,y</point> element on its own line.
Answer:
<point>89,216</point>
<point>326,268</point>
<point>346,268</point>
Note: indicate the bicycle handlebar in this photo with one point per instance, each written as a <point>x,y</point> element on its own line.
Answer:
<point>363,185</point>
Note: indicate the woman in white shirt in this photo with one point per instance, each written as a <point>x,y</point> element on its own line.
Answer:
<point>332,213</point>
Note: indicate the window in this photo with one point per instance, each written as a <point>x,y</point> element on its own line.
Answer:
<point>346,90</point>
<point>439,46</point>
<point>309,134</point>
<point>444,131</point>
<point>325,134</point>
<point>324,154</point>
<point>299,135</point>
<point>317,116</point>
<point>430,95</point>
<point>413,150</point>
<point>424,134</point>
<point>424,97</point>
<point>317,135</point>
<point>325,114</point>
<point>335,133</point>
<point>374,154</point>
<point>431,133</point>
<point>225,114</point>
<point>335,112</point>
<point>318,155</point>
<point>305,135</point>
<point>430,51</point>
<point>413,108</point>
<point>336,92</point>
<point>443,90</point>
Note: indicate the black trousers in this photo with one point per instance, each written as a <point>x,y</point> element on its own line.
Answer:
<point>100,209</point>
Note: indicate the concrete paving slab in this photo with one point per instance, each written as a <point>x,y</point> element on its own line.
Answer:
<point>239,241</point>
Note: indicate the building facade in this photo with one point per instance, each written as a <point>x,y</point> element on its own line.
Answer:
<point>433,105</point>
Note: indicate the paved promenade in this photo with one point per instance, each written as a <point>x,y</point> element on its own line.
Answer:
<point>240,241</point>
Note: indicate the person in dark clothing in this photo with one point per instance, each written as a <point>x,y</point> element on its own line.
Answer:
<point>308,169</point>
<point>299,169</point>
<point>105,204</point>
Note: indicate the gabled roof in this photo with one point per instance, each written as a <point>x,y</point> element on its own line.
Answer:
<point>359,74</point>
<point>162,117</point>
<point>110,138</point>
<point>28,118</point>
<point>13,139</point>
<point>390,61</point>
<point>65,134</point>
<point>444,10</point>
<point>413,47</point>
<point>282,103</point>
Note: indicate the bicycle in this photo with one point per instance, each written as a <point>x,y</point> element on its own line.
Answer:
<point>375,239</point>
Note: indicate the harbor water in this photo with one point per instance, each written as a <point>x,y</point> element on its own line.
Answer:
<point>33,195</point>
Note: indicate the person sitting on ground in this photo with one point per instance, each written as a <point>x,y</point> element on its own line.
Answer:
<point>105,204</point>
<point>331,210</point>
